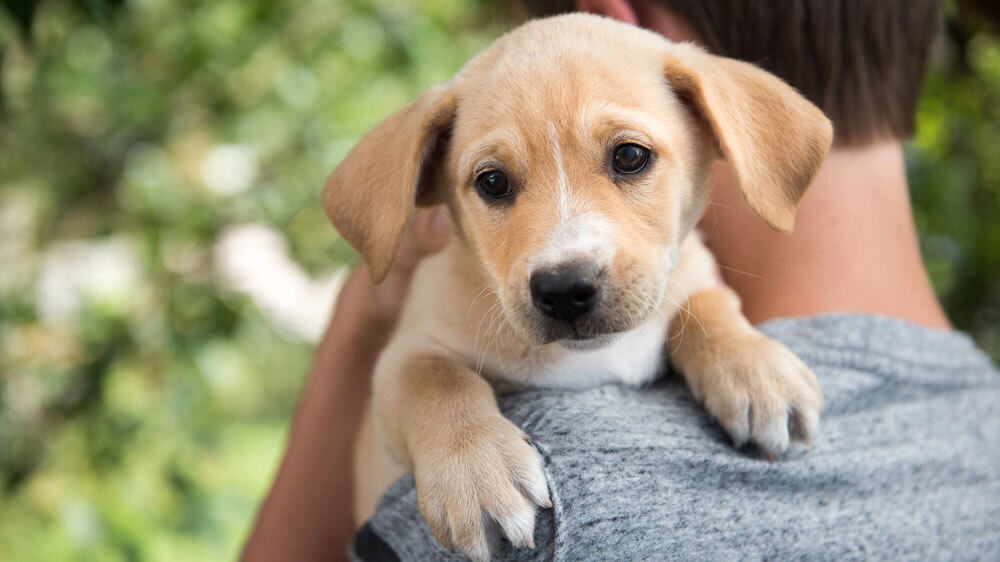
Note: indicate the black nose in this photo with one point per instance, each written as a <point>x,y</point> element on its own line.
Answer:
<point>566,292</point>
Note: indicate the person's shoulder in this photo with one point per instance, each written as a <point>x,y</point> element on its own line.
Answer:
<point>863,341</point>
<point>907,440</point>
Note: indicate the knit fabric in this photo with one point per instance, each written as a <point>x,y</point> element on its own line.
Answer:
<point>906,465</point>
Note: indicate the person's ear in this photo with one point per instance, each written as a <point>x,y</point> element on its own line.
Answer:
<point>370,196</point>
<point>773,137</point>
<point>621,10</point>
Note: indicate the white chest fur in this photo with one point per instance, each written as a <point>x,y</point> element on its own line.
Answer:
<point>633,358</point>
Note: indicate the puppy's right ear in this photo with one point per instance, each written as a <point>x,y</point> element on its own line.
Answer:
<point>372,194</point>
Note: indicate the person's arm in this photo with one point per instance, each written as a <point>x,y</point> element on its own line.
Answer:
<point>307,514</point>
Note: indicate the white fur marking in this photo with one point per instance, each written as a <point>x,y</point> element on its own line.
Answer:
<point>634,357</point>
<point>582,234</point>
<point>564,206</point>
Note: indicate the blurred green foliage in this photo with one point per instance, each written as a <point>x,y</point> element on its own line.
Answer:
<point>141,417</point>
<point>144,400</point>
<point>954,172</point>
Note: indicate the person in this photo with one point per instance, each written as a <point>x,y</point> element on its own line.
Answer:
<point>907,463</point>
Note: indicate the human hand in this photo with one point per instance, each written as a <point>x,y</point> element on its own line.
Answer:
<point>374,309</point>
<point>426,234</point>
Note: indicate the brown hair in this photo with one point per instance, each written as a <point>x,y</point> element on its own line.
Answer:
<point>861,61</point>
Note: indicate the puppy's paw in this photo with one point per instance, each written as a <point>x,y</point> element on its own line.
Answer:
<point>761,392</point>
<point>479,478</point>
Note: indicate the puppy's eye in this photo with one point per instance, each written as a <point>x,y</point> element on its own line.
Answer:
<point>629,158</point>
<point>493,183</point>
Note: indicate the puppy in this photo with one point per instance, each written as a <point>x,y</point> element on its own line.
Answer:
<point>572,155</point>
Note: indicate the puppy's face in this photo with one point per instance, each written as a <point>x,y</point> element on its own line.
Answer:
<point>573,155</point>
<point>575,181</point>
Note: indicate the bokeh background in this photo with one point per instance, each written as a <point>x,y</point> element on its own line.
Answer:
<point>165,266</point>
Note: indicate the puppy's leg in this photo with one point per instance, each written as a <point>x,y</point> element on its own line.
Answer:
<point>469,461</point>
<point>374,469</point>
<point>753,385</point>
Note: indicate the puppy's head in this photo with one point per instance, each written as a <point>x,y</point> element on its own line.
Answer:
<point>573,155</point>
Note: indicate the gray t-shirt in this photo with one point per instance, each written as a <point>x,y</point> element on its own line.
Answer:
<point>906,465</point>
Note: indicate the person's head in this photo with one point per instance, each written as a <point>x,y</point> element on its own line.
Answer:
<point>861,61</point>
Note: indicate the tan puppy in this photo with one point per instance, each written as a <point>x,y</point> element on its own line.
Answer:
<point>572,155</point>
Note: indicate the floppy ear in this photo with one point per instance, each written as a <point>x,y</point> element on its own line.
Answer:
<point>774,138</point>
<point>373,192</point>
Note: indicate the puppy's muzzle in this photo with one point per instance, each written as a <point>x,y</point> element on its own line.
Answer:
<point>566,292</point>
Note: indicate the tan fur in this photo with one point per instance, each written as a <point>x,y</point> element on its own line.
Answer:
<point>368,197</point>
<point>374,468</point>
<point>773,137</point>
<point>547,104</point>
<point>750,383</point>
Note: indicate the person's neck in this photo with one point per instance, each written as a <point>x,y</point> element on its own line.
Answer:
<point>854,248</point>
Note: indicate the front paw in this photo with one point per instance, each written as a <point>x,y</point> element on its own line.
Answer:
<point>761,392</point>
<point>482,471</point>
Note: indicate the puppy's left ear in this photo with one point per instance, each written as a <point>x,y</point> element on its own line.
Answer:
<point>372,194</point>
<point>774,138</point>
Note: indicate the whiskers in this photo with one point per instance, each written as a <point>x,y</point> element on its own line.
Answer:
<point>634,316</point>
<point>491,313</point>
<point>727,268</point>
<point>497,329</point>
<point>689,315</point>
<point>490,288</point>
